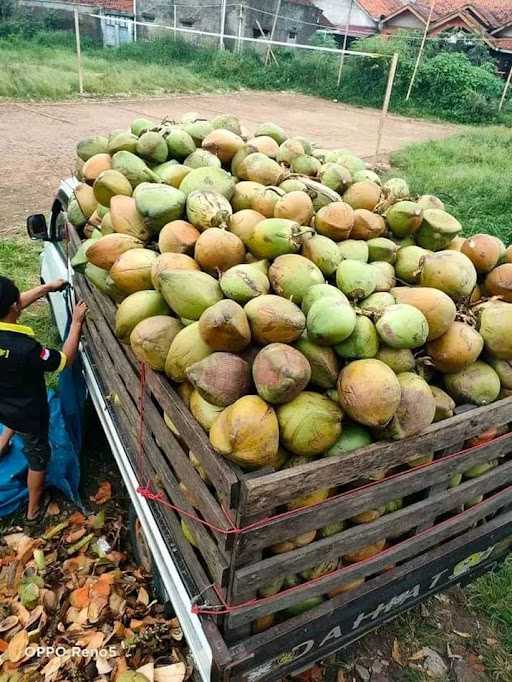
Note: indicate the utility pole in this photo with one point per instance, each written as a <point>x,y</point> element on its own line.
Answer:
<point>345,41</point>
<point>420,53</point>
<point>239,45</point>
<point>78,52</point>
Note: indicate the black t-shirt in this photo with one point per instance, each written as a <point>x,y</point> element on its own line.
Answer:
<point>23,362</point>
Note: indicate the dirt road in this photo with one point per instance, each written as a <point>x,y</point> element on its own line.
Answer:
<point>38,140</point>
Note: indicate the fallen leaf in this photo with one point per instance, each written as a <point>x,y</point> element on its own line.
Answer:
<point>75,536</point>
<point>16,648</point>
<point>3,646</point>
<point>8,623</point>
<point>52,667</point>
<point>53,509</point>
<point>136,624</point>
<point>79,598</point>
<point>95,608</point>
<point>395,654</point>
<point>464,635</point>
<point>171,673</point>
<point>143,597</point>
<point>103,665</point>
<point>93,640</point>
<point>14,540</point>
<point>101,588</point>
<point>103,494</point>
<point>76,519</point>
<point>148,671</point>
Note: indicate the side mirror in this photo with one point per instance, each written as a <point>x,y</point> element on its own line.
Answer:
<point>37,227</point>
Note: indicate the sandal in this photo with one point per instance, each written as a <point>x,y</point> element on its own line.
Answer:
<point>43,506</point>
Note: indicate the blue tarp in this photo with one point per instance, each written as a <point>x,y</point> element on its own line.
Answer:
<point>65,439</point>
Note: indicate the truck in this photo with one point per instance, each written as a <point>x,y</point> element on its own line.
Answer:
<point>438,536</point>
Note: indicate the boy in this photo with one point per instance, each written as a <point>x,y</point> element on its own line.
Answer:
<point>23,400</point>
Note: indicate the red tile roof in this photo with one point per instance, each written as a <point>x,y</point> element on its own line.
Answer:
<point>123,6</point>
<point>504,44</point>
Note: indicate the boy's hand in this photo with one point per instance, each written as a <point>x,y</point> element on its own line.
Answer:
<point>57,285</point>
<point>79,313</point>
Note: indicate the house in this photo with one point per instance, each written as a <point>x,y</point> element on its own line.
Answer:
<point>489,21</point>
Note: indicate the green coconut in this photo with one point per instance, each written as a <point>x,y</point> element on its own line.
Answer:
<point>203,411</point>
<point>198,130</point>
<point>108,184</point>
<point>293,185</point>
<point>335,176</point>
<point>309,424</point>
<point>354,249</point>
<point>291,276</point>
<point>503,369</point>
<point>402,326</point>
<point>102,281</point>
<point>79,260</point>
<point>280,373</point>
<point>408,263</point>
<point>245,191</point>
<point>449,271</point>
<point>244,282</point>
<point>362,343</point>
<point>151,339</point>
<point>306,165</point>
<point>179,143</point>
<point>188,292</point>
<point>75,215</point>
<point>227,122</point>
<point>142,125</point>
<point>201,158</point>
<point>495,326</point>
<point>186,348</point>
<point>416,410</point>
<point>289,150</point>
<point>322,360</point>
<point>355,279</point>
<point>208,209</point>
<point>171,173</point>
<point>445,405</point>
<point>477,384</point>
<point>131,676</point>
<point>302,607</point>
<point>382,249</point>
<point>240,155</point>
<point>90,146</point>
<point>323,252</point>
<point>399,359</point>
<point>385,275</point>
<point>274,319</point>
<point>274,237</point>
<point>437,229</point>
<point>438,307</point>
<point>366,174</point>
<point>376,303</point>
<point>152,146</point>
<point>209,179</point>
<point>132,270</point>
<point>122,141</point>
<point>396,189</point>
<point>159,204</point>
<point>133,168</point>
<point>271,130</point>
<point>135,308</point>
<point>260,168</point>
<point>321,291</point>
<point>330,321</point>
<point>369,392</point>
<point>353,437</point>
<point>404,218</point>
<point>347,159</point>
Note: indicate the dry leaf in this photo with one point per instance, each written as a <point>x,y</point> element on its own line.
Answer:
<point>52,666</point>
<point>53,509</point>
<point>464,635</point>
<point>103,665</point>
<point>143,597</point>
<point>147,670</point>
<point>14,540</point>
<point>76,519</point>
<point>171,673</point>
<point>395,654</point>
<point>16,648</point>
<point>3,646</point>
<point>8,623</point>
<point>79,598</point>
<point>103,494</point>
<point>102,587</point>
<point>93,640</point>
<point>136,624</point>
<point>75,536</point>
<point>95,608</point>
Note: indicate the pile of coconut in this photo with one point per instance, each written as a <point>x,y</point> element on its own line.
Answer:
<point>304,306</point>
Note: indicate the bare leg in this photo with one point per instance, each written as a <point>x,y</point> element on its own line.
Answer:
<point>5,439</point>
<point>35,483</point>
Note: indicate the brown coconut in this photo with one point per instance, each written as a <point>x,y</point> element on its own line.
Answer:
<point>221,378</point>
<point>151,339</point>
<point>483,251</point>
<point>499,282</point>
<point>264,202</point>
<point>242,223</point>
<point>364,553</point>
<point>274,319</point>
<point>132,270</point>
<point>437,307</point>
<point>295,206</point>
<point>280,373</point>
<point>335,220</point>
<point>96,165</point>
<point>217,250</point>
<point>294,543</point>
<point>178,236</point>
<point>125,218</point>
<point>459,347</point>
<point>104,252</point>
<point>247,433</point>
<point>171,261</point>
<point>265,144</point>
<point>367,225</point>
<point>225,327</point>
<point>223,143</point>
<point>416,410</point>
<point>369,392</point>
<point>364,194</point>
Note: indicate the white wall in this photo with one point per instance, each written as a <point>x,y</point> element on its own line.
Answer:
<point>337,12</point>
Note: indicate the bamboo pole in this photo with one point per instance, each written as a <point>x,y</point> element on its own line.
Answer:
<point>239,43</point>
<point>78,52</point>
<point>222,24</point>
<point>420,53</point>
<point>274,24</point>
<point>385,106</point>
<point>174,19</point>
<point>135,21</point>
<point>266,40</point>
<point>505,90</point>
<point>345,41</point>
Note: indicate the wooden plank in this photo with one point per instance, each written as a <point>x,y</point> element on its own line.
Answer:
<point>395,554</point>
<point>349,504</point>
<point>266,493</point>
<point>390,525</point>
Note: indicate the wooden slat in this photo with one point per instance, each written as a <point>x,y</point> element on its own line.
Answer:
<point>345,506</point>
<point>265,493</point>
<point>390,525</point>
<point>401,552</point>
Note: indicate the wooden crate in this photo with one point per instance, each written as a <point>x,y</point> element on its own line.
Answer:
<point>245,514</point>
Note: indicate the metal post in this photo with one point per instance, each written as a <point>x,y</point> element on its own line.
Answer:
<point>135,21</point>
<point>420,53</point>
<point>385,106</point>
<point>505,90</point>
<point>272,32</point>
<point>174,20</point>
<point>222,24</point>
<point>239,43</point>
<point>78,52</point>
<point>345,41</point>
